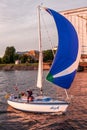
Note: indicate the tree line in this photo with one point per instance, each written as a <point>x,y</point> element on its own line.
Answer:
<point>10,56</point>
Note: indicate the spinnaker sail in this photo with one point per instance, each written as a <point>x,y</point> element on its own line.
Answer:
<point>67,56</point>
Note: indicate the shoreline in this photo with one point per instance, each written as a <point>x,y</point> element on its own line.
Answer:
<point>13,67</point>
<point>34,66</point>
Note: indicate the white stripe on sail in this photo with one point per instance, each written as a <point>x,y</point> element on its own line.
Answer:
<point>71,68</point>
<point>66,71</point>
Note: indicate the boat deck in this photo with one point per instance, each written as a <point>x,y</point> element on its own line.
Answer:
<point>38,100</point>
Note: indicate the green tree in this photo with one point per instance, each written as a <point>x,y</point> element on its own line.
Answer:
<point>23,58</point>
<point>31,59</point>
<point>47,55</point>
<point>9,56</point>
<point>0,60</point>
<point>17,56</point>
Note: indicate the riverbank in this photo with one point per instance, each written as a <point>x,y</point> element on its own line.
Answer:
<point>31,66</point>
<point>34,66</point>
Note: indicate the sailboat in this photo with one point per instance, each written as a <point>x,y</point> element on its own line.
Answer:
<point>62,71</point>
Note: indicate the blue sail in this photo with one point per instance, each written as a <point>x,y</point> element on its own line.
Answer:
<point>67,56</point>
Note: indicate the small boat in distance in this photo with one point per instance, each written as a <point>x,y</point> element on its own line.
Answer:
<point>63,69</point>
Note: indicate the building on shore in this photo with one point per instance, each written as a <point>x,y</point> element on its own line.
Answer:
<point>78,17</point>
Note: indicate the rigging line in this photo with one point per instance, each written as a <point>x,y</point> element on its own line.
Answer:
<point>47,34</point>
<point>66,93</point>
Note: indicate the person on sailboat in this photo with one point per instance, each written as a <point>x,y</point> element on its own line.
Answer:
<point>29,96</point>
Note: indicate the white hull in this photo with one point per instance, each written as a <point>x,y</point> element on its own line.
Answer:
<point>39,106</point>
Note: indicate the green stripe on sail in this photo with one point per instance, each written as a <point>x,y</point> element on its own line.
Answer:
<point>49,77</point>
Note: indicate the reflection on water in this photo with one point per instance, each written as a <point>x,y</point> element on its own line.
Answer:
<point>74,119</point>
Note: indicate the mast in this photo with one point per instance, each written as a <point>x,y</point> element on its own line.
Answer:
<point>40,66</point>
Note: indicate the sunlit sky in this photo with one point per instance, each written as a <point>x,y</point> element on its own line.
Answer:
<point>18,21</point>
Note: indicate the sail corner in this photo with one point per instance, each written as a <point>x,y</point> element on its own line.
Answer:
<point>49,77</point>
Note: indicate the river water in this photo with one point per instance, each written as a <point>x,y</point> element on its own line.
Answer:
<point>74,119</point>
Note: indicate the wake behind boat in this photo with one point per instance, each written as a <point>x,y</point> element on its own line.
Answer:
<point>62,71</point>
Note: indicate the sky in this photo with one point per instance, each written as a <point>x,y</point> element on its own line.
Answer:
<point>18,22</point>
